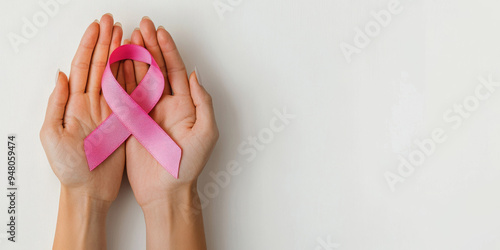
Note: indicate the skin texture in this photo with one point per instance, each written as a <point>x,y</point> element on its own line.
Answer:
<point>76,107</point>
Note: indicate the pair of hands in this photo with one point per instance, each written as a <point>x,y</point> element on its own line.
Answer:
<point>76,107</point>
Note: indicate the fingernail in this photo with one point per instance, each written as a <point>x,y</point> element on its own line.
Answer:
<point>137,29</point>
<point>197,75</point>
<point>118,24</point>
<point>109,14</point>
<point>161,27</point>
<point>96,21</point>
<point>57,75</point>
<point>146,17</point>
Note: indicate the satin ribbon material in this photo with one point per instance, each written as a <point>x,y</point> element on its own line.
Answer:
<point>130,115</point>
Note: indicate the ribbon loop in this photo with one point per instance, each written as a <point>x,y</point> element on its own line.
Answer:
<point>130,115</point>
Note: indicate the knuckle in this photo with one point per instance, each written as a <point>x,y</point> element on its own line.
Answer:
<point>98,63</point>
<point>105,42</point>
<point>80,65</point>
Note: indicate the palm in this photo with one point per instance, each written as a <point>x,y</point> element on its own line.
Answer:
<point>176,115</point>
<point>66,154</point>
<point>83,115</point>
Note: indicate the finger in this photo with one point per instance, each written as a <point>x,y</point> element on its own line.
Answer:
<point>81,62</point>
<point>176,71</point>
<point>130,82</point>
<point>100,56</point>
<point>140,68</point>
<point>54,117</point>
<point>148,32</point>
<point>205,117</point>
<point>120,75</point>
<point>116,40</point>
<point>128,73</point>
<point>120,78</point>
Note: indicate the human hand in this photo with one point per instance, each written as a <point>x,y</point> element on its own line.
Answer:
<point>76,107</point>
<point>184,111</point>
<point>171,206</point>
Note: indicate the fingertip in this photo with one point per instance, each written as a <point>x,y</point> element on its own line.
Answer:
<point>193,74</point>
<point>62,84</point>
<point>136,37</point>
<point>162,29</point>
<point>193,79</point>
<point>160,33</point>
<point>195,90</point>
<point>205,117</point>
<point>147,27</point>
<point>146,21</point>
<point>117,36</point>
<point>57,75</point>
<point>107,17</point>
<point>61,77</point>
<point>117,27</point>
<point>107,24</point>
<point>93,28</point>
<point>198,92</point>
<point>163,35</point>
<point>117,33</point>
<point>57,102</point>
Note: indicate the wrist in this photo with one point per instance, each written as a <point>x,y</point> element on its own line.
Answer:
<point>181,197</point>
<point>81,222</point>
<point>182,205</point>
<point>84,202</point>
<point>175,222</point>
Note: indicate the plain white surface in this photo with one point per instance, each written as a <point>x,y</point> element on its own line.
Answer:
<point>322,177</point>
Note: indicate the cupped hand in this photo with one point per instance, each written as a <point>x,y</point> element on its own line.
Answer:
<point>184,111</point>
<point>75,108</point>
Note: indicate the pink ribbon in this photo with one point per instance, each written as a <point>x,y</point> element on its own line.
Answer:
<point>130,115</point>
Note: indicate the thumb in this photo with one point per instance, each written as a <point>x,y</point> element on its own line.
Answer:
<point>57,104</point>
<point>205,117</point>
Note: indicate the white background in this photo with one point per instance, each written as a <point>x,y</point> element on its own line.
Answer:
<point>322,177</point>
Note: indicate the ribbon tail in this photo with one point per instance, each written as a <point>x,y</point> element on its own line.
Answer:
<point>104,140</point>
<point>166,152</point>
